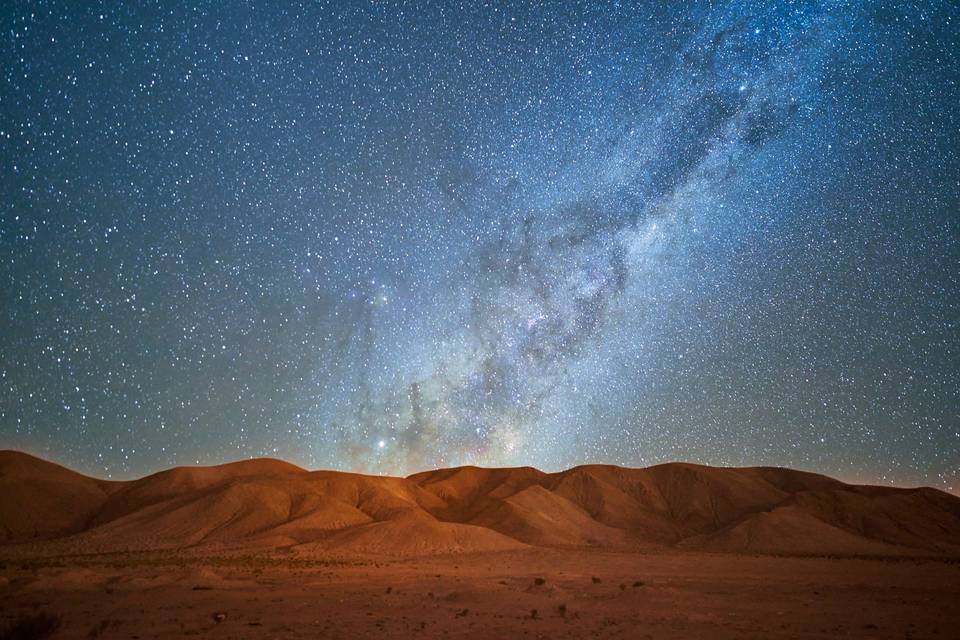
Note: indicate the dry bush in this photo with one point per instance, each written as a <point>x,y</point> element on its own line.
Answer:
<point>35,626</point>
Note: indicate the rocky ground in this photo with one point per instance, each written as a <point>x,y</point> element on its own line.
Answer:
<point>535,593</point>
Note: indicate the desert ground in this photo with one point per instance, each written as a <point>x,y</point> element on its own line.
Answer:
<point>265,549</point>
<point>535,593</point>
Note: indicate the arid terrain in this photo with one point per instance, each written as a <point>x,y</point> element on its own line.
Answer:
<point>535,593</point>
<point>264,549</point>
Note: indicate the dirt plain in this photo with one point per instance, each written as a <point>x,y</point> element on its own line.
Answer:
<point>535,593</point>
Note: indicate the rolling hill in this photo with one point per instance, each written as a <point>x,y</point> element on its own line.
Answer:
<point>269,504</point>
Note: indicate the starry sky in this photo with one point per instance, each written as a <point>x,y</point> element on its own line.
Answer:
<point>390,236</point>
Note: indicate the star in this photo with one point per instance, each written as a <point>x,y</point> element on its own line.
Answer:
<point>553,234</point>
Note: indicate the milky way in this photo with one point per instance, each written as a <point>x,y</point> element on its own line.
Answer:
<point>388,236</point>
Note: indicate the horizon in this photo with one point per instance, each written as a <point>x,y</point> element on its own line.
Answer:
<point>380,318</point>
<point>357,236</point>
<point>133,478</point>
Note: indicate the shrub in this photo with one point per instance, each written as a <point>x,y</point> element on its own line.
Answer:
<point>35,626</point>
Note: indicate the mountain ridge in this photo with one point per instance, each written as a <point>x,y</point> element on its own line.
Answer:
<point>268,503</point>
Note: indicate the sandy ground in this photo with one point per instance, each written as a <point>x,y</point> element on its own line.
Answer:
<point>526,594</point>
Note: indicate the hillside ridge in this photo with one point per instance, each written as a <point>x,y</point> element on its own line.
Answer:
<point>268,503</point>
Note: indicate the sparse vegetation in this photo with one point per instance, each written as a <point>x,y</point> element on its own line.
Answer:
<point>36,626</point>
<point>574,605</point>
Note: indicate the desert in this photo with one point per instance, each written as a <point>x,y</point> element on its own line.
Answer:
<point>265,549</point>
<point>470,319</point>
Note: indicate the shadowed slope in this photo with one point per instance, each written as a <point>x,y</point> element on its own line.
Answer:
<point>40,499</point>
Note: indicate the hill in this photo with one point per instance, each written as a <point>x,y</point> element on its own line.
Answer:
<point>269,504</point>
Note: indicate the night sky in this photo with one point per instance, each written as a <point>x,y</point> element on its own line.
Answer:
<point>391,236</point>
